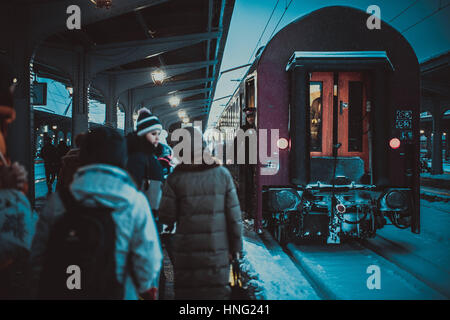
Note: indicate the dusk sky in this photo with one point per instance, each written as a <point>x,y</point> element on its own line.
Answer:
<point>424,23</point>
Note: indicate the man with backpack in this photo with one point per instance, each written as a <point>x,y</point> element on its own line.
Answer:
<point>97,239</point>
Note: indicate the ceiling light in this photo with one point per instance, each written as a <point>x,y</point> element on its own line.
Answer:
<point>182,114</point>
<point>174,101</point>
<point>102,3</point>
<point>158,76</point>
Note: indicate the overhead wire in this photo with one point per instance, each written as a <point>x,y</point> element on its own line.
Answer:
<point>265,27</point>
<point>426,17</point>
<point>404,10</point>
<point>285,9</point>
<point>259,40</point>
<point>270,37</point>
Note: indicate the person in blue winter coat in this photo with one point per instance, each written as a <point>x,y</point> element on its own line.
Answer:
<point>101,181</point>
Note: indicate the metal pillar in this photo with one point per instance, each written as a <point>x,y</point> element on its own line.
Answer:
<point>129,108</point>
<point>436,162</point>
<point>80,105</point>
<point>429,144</point>
<point>111,104</point>
<point>129,126</point>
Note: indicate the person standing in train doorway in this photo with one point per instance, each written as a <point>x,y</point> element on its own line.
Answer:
<point>247,170</point>
<point>201,206</point>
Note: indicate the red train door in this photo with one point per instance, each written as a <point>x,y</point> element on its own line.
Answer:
<point>349,124</point>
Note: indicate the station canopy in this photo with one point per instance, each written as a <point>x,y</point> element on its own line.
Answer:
<point>125,47</point>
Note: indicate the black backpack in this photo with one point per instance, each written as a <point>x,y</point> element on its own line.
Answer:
<point>83,237</point>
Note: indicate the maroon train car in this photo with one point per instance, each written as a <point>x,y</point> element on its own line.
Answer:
<point>346,99</point>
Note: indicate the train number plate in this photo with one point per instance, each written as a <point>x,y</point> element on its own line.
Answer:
<point>403,119</point>
<point>404,114</point>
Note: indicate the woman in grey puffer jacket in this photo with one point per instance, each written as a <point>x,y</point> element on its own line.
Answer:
<point>202,200</point>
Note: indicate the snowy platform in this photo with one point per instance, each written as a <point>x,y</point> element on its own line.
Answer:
<point>342,273</point>
<point>272,274</point>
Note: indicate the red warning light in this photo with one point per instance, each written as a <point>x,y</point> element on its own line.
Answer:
<point>394,143</point>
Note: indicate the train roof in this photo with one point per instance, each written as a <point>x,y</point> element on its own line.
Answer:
<point>372,55</point>
<point>387,43</point>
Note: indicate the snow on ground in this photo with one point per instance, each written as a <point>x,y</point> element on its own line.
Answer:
<point>341,272</point>
<point>434,239</point>
<point>434,225</point>
<point>424,255</point>
<point>270,277</point>
<point>428,252</point>
<point>435,220</point>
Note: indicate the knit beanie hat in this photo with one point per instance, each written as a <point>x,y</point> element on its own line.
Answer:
<point>147,122</point>
<point>104,145</point>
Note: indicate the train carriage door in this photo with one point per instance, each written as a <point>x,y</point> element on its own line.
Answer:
<point>321,114</point>
<point>344,121</point>
<point>353,117</point>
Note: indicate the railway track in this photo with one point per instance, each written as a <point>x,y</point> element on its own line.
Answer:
<point>428,272</point>
<point>341,272</point>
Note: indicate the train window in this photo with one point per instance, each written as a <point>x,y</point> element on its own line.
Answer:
<point>250,94</point>
<point>355,116</point>
<point>315,100</point>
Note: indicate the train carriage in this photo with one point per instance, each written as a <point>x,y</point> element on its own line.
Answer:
<point>345,98</point>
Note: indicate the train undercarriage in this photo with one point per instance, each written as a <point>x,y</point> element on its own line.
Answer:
<point>334,213</point>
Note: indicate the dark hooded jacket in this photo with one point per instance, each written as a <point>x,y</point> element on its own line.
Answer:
<point>202,200</point>
<point>143,160</point>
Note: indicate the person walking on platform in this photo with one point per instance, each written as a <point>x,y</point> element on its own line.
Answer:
<point>70,163</point>
<point>143,151</point>
<point>16,223</point>
<point>201,201</point>
<point>62,150</point>
<point>49,154</point>
<point>101,185</point>
<point>143,165</point>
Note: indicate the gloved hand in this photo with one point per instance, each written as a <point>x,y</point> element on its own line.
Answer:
<point>150,294</point>
<point>13,177</point>
<point>233,256</point>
